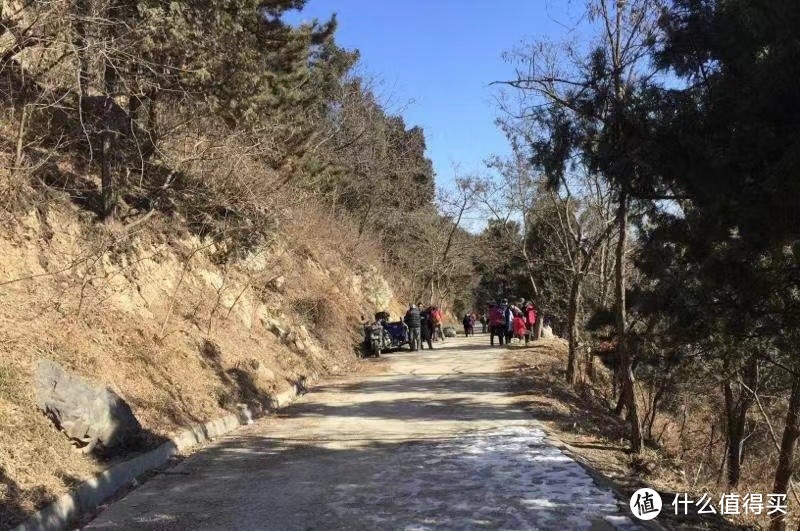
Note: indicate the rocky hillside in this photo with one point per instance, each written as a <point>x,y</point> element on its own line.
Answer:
<point>196,216</point>
<point>154,315</point>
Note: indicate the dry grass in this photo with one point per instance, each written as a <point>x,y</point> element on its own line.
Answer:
<point>583,419</point>
<point>180,337</point>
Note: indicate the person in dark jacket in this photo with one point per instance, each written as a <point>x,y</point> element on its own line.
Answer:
<point>414,322</point>
<point>508,320</point>
<point>427,328</point>
<point>497,325</point>
<point>468,323</point>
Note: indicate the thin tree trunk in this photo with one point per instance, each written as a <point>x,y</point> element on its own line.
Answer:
<point>108,188</point>
<point>81,47</point>
<point>572,324</point>
<point>363,223</point>
<point>783,472</point>
<point>604,275</point>
<point>735,433</point>
<point>626,360</point>
<point>20,141</point>
<point>736,407</point>
<point>574,302</point>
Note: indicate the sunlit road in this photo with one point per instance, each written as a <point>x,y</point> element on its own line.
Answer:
<point>436,442</point>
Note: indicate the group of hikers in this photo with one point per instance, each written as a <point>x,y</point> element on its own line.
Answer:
<point>511,321</point>
<point>424,325</point>
<point>505,322</point>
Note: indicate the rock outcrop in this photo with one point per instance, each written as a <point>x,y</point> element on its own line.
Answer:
<point>90,414</point>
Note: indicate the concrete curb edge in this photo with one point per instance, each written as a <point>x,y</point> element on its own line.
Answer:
<point>92,493</point>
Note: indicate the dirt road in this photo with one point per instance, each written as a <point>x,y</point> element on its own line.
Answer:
<point>435,442</point>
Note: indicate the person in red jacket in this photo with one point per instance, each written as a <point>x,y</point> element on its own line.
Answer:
<point>518,326</point>
<point>529,314</point>
<point>436,315</point>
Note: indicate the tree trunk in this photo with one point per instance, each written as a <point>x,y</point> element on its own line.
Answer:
<point>537,328</point>
<point>363,223</point>
<point>81,44</point>
<point>737,404</point>
<point>604,266</point>
<point>625,358</point>
<point>623,399</point>
<point>783,472</point>
<point>735,426</point>
<point>107,192</point>
<point>108,187</point>
<point>107,146</point>
<point>572,324</point>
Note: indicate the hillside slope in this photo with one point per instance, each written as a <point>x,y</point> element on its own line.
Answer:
<point>153,313</point>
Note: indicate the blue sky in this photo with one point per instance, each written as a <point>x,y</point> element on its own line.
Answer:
<point>434,60</point>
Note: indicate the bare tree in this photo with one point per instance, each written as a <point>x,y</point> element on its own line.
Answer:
<point>588,94</point>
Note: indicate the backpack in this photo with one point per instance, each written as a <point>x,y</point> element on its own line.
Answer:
<point>530,315</point>
<point>496,316</point>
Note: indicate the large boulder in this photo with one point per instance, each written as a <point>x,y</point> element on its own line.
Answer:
<point>90,414</point>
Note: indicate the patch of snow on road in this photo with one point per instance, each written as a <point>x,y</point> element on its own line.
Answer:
<point>507,478</point>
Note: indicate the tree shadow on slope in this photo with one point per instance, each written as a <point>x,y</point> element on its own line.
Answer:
<point>15,502</point>
<point>239,387</point>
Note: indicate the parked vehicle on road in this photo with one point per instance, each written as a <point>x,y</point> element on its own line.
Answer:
<point>377,340</point>
<point>386,335</point>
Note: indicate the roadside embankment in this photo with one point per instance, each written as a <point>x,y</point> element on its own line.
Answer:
<point>159,318</point>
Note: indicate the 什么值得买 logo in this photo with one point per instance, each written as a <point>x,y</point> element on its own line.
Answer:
<point>645,504</point>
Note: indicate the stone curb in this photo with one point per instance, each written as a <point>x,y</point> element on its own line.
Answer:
<point>92,493</point>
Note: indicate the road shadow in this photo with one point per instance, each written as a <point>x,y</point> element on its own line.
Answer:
<point>487,382</point>
<point>411,409</point>
<point>459,345</point>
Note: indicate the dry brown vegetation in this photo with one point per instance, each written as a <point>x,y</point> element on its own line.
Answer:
<point>149,313</point>
<point>687,456</point>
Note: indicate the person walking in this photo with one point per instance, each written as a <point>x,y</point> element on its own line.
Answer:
<point>496,324</point>
<point>508,321</point>
<point>414,322</point>
<point>529,314</point>
<point>484,320</point>
<point>426,329</point>
<point>468,326</point>
<point>518,326</point>
<point>436,315</point>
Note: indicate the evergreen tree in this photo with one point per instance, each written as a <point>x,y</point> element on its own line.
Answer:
<point>732,243</point>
